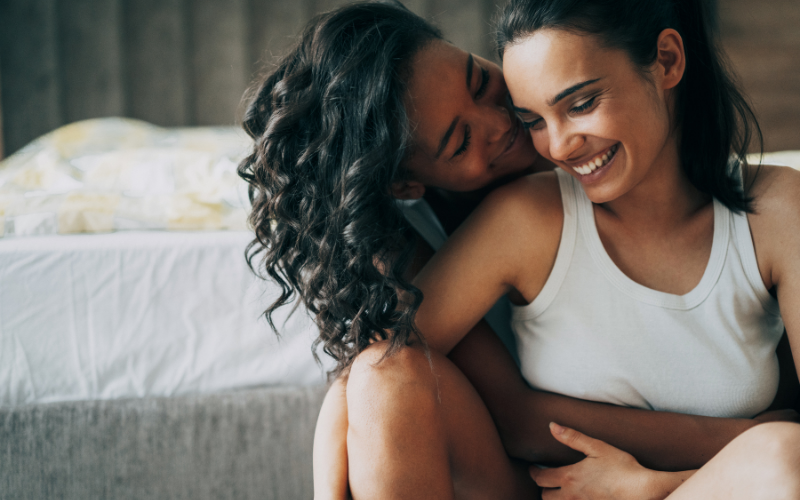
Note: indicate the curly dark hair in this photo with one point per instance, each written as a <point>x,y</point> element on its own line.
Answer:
<point>331,136</point>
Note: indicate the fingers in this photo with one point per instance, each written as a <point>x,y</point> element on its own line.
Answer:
<point>545,478</point>
<point>578,441</point>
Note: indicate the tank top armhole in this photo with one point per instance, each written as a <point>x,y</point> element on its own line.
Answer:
<point>744,242</point>
<point>566,247</point>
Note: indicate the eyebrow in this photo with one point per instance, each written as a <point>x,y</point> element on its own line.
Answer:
<point>446,138</point>
<point>552,102</point>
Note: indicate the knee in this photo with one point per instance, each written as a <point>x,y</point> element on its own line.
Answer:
<point>775,451</point>
<point>403,382</point>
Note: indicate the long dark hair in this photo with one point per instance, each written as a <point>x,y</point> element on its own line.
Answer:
<point>715,119</point>
<point>331,136</point>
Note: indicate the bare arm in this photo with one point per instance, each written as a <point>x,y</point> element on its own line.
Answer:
<point>330,446</point>
<point>659,440</point>
<point>775,228</point>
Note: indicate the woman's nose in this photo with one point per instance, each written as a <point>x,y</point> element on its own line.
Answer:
<point>563,142</point>
<point>498,123</point>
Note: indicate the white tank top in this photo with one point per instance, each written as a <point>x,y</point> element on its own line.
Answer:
<point>593,333</point>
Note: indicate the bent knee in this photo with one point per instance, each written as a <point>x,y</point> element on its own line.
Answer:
<point>404,380</point>
<point>775,448</point>
<point>377,368</point>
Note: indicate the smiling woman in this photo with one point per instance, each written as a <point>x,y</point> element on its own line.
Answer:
<point>446,118</point>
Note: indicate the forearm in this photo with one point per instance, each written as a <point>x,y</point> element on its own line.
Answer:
<point>659,440</point>
<point>661,484</point>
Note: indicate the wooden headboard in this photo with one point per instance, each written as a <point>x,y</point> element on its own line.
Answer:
<point>188,62</point>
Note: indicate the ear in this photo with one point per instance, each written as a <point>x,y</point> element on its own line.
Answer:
<point>408,190</point>
<point>671,58</point>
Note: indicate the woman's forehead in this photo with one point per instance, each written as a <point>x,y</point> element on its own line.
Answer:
<point>554,60</point>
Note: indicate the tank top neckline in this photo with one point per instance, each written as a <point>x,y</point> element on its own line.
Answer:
<point>637,291</point>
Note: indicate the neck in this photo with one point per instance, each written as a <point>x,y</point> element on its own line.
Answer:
<point>664,197</point>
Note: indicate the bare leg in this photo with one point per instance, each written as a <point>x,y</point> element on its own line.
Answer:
<point>762,463</point>
<point>418,429</point>
<point>330,446</point>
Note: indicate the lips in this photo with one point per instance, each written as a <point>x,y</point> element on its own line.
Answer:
<point>600,160</point>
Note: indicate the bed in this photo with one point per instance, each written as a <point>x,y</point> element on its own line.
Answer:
<point>134,361</point>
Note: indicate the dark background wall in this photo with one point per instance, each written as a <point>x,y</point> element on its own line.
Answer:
<point>187,62</point>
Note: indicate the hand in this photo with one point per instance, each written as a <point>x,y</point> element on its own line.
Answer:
<point>605,473</point>
<point>778,416</point>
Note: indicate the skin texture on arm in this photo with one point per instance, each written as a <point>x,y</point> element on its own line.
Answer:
<point>330,445</point>
<point>775,228</point>
<point>507,244</point>
<point>659,440</point>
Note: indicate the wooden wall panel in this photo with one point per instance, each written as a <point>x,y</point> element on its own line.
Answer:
<point>763,42</point>
<point>91,55</point>
<point>31,87</point>
<point>274,27</point>
<point>465,23</point>
<point>185,62</point>
<point>419,7</point>
<point>220,70</point>
<point>155,45</point>
<point>320,6</point>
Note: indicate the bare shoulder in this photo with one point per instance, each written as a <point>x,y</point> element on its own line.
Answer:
<point>531,204</point>
<point>537,192</point>
<point>775,222</point>
<point>776,196</point>
<point>522,223</point>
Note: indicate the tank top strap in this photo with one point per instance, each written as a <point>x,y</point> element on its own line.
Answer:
<point>743,240</point>
<point>566,247</point>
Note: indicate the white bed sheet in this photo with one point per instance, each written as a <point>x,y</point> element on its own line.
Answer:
<point>133,314</point>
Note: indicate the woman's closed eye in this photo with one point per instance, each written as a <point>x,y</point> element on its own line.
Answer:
<point>531,124</point>
<point>484,84</point>
<point>576,110</point>
<point>582,108</point>
<point>464,145</point>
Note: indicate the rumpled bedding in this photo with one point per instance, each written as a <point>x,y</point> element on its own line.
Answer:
<point>114,174</point>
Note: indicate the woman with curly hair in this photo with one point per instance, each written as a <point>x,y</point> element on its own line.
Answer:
<point>371,107</point>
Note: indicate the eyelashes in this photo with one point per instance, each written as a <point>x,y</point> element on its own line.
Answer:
<point>485,76</point>
<point>527,125</point>
<point>465,144</point>
<point>575,110</point>
<point>484,83</point>
<point>585,106</point>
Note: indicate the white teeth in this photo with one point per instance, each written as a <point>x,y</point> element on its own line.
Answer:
<point>597,162</point>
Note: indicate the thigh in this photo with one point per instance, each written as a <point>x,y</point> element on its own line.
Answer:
<point>418,429</point>
<point>762,463</point>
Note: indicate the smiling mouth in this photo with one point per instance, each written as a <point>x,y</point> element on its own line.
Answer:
<point>595,163</point>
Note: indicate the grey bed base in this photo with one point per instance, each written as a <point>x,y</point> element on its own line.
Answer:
<point>243,444</point>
